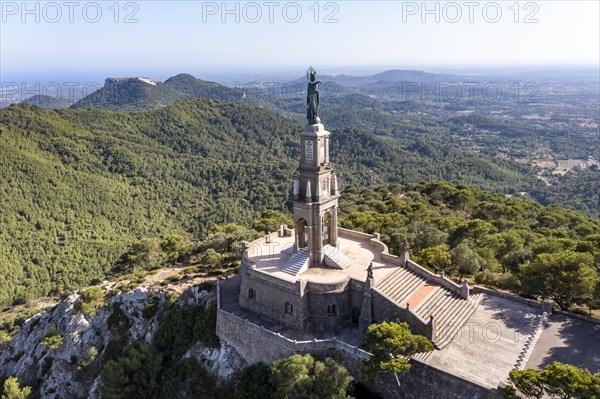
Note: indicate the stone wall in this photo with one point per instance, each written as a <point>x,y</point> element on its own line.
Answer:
<point>302,305</point>
<point>257,344</point>
<point>384,309</point>
<point>276,299</point>
<point>426,382</point>
<point>331,306</point>
<point>432,277</point>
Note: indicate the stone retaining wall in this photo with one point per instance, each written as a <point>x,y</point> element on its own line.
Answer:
<point>384,309</point>
<point>258,344</point>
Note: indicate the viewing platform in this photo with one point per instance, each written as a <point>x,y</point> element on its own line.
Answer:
<point>271,255</point>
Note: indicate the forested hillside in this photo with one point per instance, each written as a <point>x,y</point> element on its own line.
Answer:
<point>135,95</point>
<point>48,102</point>
<point>77,187</point>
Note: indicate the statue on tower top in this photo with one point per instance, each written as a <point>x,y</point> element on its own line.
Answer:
<point>312,97</point>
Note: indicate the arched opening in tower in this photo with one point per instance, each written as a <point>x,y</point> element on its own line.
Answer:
<point>327,219</point>
<point>302,233</point>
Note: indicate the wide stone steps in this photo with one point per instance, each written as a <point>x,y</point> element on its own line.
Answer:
<point>297,263</point>
<point>449,310</point>
<point>422,356</point>
<point>390,279</point>
<point>335,258</point>
<point>399,284</point>
<point>454,325</point>
<point>432,304</point>
<point>403,290</point>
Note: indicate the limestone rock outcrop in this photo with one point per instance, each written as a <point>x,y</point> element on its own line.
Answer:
<point>58,371</point>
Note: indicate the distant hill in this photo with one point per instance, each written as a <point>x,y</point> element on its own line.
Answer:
<point>398,75</point>
<point>139,95</point>
<point>393,76</point>
<point>48,102</point>
<point>192,87</point>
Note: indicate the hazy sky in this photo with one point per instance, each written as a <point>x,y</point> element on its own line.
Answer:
<point>160,38</point>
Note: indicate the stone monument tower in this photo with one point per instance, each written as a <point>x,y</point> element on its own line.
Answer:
<point>315,193</point>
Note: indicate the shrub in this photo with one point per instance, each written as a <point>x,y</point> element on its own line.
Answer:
<point>52,339</point>
<point>188,379</point>
<point>136,374</point>
<point>151,307</point>
<point>508,281</point>
<point>4,339</point>
<point>486,277</point>
<point>211,258</point>
<point>12,389</point>
<point>205,286</point>
<point>90,301</point>
<point>182,326</point>
<point>118,324</point>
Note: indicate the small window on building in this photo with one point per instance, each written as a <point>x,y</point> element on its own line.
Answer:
<point>251,293</point>
<point>332,309</point>
<point>289,308</point>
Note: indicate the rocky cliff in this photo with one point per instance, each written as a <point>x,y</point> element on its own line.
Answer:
<point>69,365</point>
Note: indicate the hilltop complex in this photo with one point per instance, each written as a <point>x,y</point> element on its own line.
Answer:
<point>316,287</point>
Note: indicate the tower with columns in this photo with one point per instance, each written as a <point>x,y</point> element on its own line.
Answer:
<point>315,196</point>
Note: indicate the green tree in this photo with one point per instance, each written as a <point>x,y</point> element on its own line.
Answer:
<point>255,383</point>
<point>437,257</point>
<point>211,257</point>
<point>175,247</point>
<point>271,220</point>
<point>331,380</point>
<point>527,383</point>
<point>515,259</point>
<point>182,326</point>
<point>566,381</point>
<point>289,372</point>
<point>466,260</point>
<point>556,380</point>
<point>140,254</point>
<point>565,277</point>
<point>474,229</point>
<point>12,389</point>
<point>89,302</point>
<point>134,375</point>
<point>187,379</point>
<point>301,377</point>
<point>427,236</point>
<point>392,346</point>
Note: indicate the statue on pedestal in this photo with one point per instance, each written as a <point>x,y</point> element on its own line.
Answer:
<point>312,97</point>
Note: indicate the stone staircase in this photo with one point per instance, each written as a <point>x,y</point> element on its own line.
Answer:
<point>334,258</point>
<point>297,263</point>
<point>399,284</point>
<point>448,309</point>
<point>423,356</point>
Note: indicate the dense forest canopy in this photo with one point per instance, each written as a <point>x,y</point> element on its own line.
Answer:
<point>78,186</point>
